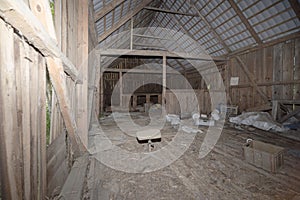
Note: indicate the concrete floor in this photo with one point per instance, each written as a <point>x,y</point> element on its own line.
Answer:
<point>222,174</point>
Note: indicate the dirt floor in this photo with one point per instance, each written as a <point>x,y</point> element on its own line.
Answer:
<point>222,174</point>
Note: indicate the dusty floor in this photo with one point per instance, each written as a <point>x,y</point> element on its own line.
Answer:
<point>222,174</point>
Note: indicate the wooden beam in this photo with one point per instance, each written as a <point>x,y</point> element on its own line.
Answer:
<point>164,80</point>
<point>170,11</point>
<point>245,21</point>
<point>124,19</point>
<point>210,28</point>
<point>141,71</point>
<point>286,117</point>
<point>292,82</point>
<point>121,88</point>
<point>155,53</point>
<point>252,79</point>
<point>131,33</point>
<point>148,46</point>
<point>92,25</point>
<point>73,187</point>
<point>150,36</point>
<point>18,14</point>
<point>58,79</point>
<point>82,56</point>
<point>101,86</point>
<point>296,7</point>
<point>107,8</point>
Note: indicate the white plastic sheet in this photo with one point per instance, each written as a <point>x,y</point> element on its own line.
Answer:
<point>260,120</point>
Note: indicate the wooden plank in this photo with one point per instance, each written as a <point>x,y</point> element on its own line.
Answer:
<point>150,36</point>
<point>259,72</point>
<point>292,82</point>
<point>65,105</point>
<point>288,68</point>
<point>164,80</point>
<point>26,129</point>
<point>107,8</point>
<point>275,106</point>
<point>34,121</point>
<point>251,78</point>
<point>42,128</point>
<point>264,107</point>
<point>121,88</point>
<point>93,93</point>
<point>156,53</point>
<point>297,69</point>
<point>57,169</point>
<point>56,125</point>
<point>286,117</point>
<point>9,138</point>
<point>253,98</point>
<point>18,75</point>
<point>82,64</point>
<point>124,19</point>
<point>169,11</point>
<point>19,85</point>
<point>131,34</point>
<point>101,89</point>
<point>140,71</point>
<point>20,17</point>
<point>92,27</point>
<point>55,69</point>
<point>277,71</point>
<point>97,84</point>
<point>74,185</point>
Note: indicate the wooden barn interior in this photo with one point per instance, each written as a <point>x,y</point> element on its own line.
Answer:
<point>149,99</point>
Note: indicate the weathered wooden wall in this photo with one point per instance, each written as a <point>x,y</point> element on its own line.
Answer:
<point>22,117</point>
<point>206,84</point>
<point>275,70</point>
<point>71,24</point>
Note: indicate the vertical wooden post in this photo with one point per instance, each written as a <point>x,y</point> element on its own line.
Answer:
<point>164,80</point>
<point>134,101</point>
<point>275,109</point>
<point>97,83</point>
<point>82,63</point>
<point>101,88</point>
<point>121,88</point>
<point>147,98</point>
<point>131,34</point>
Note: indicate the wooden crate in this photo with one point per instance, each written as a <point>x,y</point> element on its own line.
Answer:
<point>228,110</point>
<point>264,155</point>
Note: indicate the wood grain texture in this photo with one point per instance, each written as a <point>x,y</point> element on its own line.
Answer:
<point>9,138</point>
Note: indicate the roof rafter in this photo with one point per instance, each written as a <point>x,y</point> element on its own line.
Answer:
<point>212,30</point>
<point>245,21</point>
<point>169,11</point>
<point>106,9</point>
<point>124,20</point>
